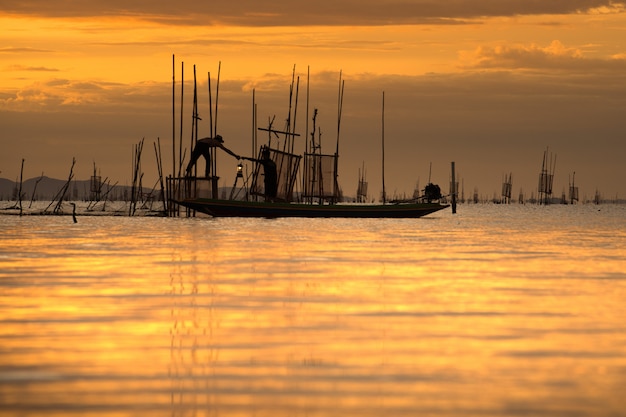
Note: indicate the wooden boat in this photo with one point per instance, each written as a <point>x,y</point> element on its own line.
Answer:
<point>236,208</point>
<point>320,196</point>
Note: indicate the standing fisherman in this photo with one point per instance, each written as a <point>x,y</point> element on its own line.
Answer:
<point>269,172</point>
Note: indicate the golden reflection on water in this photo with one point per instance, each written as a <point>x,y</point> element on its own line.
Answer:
<point>446,317</point>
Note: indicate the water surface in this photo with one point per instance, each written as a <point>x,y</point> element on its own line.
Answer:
<point>494,311</point>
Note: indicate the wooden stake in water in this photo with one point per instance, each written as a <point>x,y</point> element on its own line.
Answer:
<point>74,212</point>
<point>453,189</point>
<point>19,191</point>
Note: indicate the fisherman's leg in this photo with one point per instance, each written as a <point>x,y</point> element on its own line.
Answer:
<point>206,152</point>
<point>195,154</point>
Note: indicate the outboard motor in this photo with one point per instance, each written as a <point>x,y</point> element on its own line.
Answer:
<point>432,192</point>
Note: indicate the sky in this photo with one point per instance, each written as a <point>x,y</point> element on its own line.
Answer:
<point>488,84</point>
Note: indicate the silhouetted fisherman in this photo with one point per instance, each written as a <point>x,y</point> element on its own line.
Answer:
<point>203,148</point>
<point>269,172</point>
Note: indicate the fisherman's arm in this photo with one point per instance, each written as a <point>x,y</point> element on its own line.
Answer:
<point>229,151</point>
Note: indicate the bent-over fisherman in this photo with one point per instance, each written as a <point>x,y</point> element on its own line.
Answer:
<point>203,148</point>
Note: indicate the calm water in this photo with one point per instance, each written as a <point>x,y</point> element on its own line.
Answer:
<point>495,311</point>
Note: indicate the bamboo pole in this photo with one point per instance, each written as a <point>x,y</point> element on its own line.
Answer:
<point>306,125</point>
<point>74,212</point>
<point>211,129</point>
<point>132,188</point>
<point>214,179</point>
<point>384,196</point>
<point>19,192</point>
<point>217,94</point>
<point>295,113</point>
<point>180,139</point>
<point>211,133</point>
<point>453,192</point>
<point>136,186</point>
<point>305,172</point>
<point>252,136</point>
<point>169,183</point>
<point>339,111</point>
<point>194,117</point>
<point>552,170</point>
<point>288,139</point>
<point>159,160</point>
<point>63,190</point>
<point>173,115</point>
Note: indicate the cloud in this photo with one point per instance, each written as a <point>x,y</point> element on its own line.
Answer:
<point>303,13</point>
<point>29,68</point>
<point>14,50</point>
<point>555,56</point>
<point>92,96</point>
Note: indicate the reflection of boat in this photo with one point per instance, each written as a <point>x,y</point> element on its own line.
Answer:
<point>235,208</point>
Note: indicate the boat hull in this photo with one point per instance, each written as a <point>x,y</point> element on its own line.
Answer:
<point>233,208</point>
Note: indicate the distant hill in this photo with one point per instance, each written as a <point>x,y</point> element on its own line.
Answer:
<point>46,189</point>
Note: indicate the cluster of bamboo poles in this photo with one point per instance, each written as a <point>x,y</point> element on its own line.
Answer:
<point>176,181</point>
<point>57,201</point>
<point>179,155</point>
<point>61,195</point>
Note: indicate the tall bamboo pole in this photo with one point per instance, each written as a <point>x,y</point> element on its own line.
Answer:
<point>383,149</point>
<point>180,140</point>
<point>306,132</point>
<point>252,136</point>
<point>211,133</point>
<point>214,178</point>
<point>288,138</point>
<point>173,115</point>
<point>295,113</point>
<point>217,93</point>
<point>339,110</point>
<point>194,117</point>
<point>306,125</point>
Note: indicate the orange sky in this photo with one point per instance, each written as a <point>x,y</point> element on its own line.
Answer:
<point>487,84</point>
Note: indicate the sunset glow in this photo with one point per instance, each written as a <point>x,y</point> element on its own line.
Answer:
<point>499,81</point>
